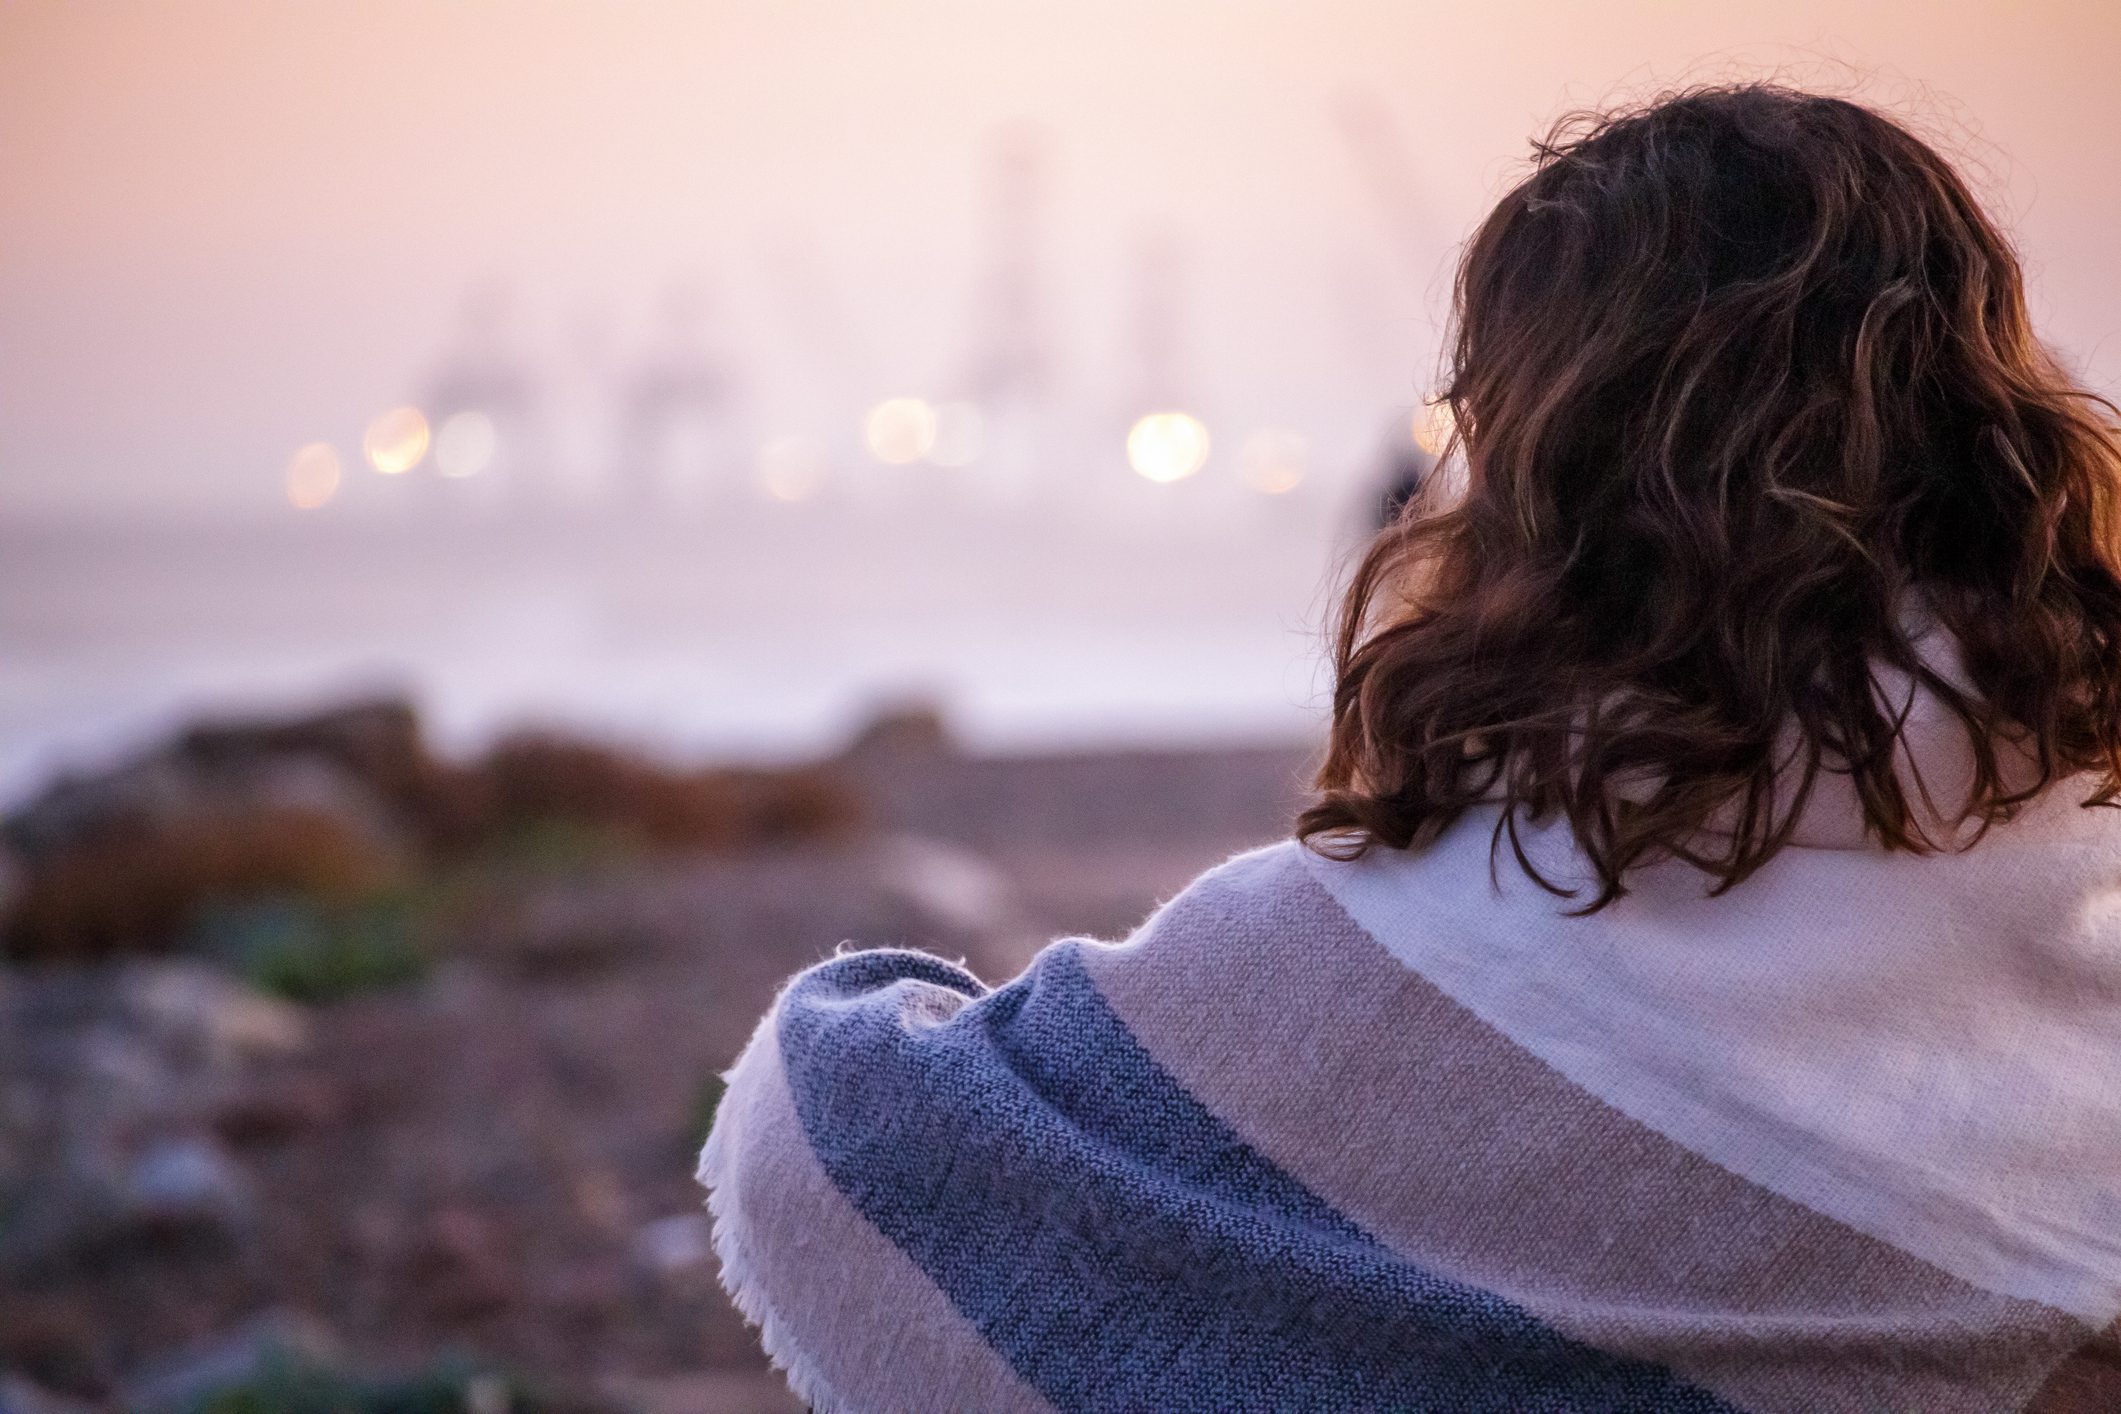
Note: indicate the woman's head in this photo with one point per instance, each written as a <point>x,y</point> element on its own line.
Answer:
<point>1746,397</point>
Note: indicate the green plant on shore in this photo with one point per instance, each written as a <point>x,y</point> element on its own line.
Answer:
<point>146,886</point>
<point>306,951</point>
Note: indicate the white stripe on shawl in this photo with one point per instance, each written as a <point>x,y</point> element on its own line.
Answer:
<point>1927,1049</point>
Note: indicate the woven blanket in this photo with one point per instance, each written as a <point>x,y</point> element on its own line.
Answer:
<point>1402,1135</point>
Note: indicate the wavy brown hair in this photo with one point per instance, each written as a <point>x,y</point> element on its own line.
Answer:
<point>1739,376</point>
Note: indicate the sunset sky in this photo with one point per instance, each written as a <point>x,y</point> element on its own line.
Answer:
<point>230,229</point>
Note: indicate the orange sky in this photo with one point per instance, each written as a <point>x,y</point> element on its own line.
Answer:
<point>229,229</point>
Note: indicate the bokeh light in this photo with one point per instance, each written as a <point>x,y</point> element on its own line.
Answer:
<point>1433,426</point>
<point>791,469</point>
<point>1167,446</point>
<point>312,476</point>
<point>960,435</point>
<point>900,430</point>
<point>1273,462</point>
<point>465,443</point>
<point>396,440</point>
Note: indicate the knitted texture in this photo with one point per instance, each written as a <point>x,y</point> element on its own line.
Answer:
<point>1402,1135</point>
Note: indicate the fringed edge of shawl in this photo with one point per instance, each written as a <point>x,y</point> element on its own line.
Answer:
<point>742,1284</point>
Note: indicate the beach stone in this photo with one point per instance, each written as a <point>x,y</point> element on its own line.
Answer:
<point>188,1181</point>
<point>195,1008</point>
<point>678,1243</point>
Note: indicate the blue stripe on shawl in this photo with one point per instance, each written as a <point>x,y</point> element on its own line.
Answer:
<point>1119,1244</point>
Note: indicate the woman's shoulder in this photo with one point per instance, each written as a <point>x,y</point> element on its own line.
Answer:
<point>1247,898</point>
<point>1261,930</point>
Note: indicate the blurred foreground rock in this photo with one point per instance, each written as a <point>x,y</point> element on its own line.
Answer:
<point>113,1079</point>
<point>463,1168</point>
<point>340,805</point>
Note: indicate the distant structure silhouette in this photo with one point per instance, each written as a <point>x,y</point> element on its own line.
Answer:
<point>1009,368</point>
<point>481,375</point>
<point>1386,168</point>
<point>1154,330</point>
<point>676,439</point>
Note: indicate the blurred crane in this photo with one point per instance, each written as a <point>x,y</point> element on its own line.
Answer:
<point>1007,374</point>
<point>677,412</point>
<point>484,401</point>
<point>1155,324</point>
<point>1386,167</point>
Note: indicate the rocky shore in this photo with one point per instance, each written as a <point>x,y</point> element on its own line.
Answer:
<point>338,1076</point>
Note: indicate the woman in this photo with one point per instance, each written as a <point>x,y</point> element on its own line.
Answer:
<point>1697,985</point>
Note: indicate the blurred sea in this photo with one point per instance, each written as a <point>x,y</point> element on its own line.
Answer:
<point>760,632</point>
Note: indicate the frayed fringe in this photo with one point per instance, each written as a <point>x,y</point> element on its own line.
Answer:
<point>738,1279</point>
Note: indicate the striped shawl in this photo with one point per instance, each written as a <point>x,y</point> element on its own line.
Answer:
<point>1400,1135</point>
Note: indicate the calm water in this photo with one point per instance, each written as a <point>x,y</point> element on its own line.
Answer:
<point>762,631</point>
